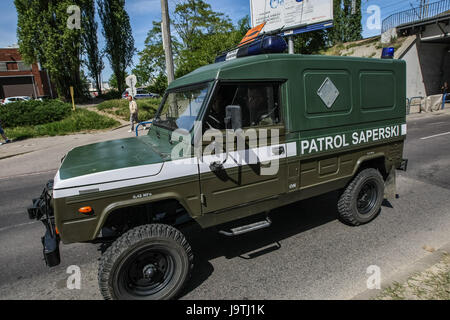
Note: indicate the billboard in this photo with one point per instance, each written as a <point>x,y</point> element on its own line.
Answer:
<point>290,14</point>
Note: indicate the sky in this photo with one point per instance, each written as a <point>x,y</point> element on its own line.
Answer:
<point>143,12</point>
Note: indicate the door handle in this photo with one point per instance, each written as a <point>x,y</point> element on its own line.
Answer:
<point>216,166</point>
<point>278,151</point>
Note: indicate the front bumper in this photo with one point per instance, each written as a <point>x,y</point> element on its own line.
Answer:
<point>42,210</point>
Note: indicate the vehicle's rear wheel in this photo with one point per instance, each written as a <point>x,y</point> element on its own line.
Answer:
<point>150,262</point>
<point>361,201</point>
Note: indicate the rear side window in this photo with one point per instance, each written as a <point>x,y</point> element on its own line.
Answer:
<point>259,103</point>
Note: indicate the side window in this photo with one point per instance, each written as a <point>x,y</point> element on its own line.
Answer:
<point>259,103</point>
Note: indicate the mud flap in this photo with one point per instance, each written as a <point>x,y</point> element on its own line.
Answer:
<point>390,187</point>
<point>50,242</point>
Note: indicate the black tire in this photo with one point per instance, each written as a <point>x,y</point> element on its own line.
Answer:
<point>149,262</point>
<point>361,201</point>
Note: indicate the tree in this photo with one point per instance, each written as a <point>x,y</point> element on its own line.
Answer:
<point>203,34</point>
<point>94,61</point>
<point>195,18</point>
<point>151,59</point>
<point>119,39</point>
<point>311,42</point>
<point>159,84</point>
<point>354,20</point>
<point>113,82</point>
<point>43,36</point>
<point>347,23</point>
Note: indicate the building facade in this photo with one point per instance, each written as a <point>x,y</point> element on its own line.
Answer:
<point>20,79</point>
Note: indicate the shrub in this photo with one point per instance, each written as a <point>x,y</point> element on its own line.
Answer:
<point>119,107</point>
<point>34,112</point>
<point>111,94</point>
<point>80,120</point>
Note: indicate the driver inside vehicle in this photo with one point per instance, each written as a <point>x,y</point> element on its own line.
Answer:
<point>216,117</point>
<point>257,104</point>
<point>217,113</point>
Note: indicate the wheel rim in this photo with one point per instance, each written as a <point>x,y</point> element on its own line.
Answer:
<point>367,197</point>
<point>147,272</point>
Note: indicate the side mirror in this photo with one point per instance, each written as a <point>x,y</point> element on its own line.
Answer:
<point>233,116</point>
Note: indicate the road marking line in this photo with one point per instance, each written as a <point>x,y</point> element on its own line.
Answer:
<point>436,135</point>
<point>17,225</point>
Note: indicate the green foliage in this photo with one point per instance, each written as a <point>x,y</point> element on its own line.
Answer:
<point>159,84</point>
<point>43,36</point>
<point>347,24</point>
<point>79,120</point>
<point>152,61</point>
<point>28,113</point>
<point>120,107</point>
<point>311,42</point>
<point>111,94</point>
<point>203,34</point>
<point>119,39</point>
<point>94,60</point>
<point>113,82</point>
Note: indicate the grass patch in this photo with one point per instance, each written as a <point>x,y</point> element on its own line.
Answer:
<point>432,284</point>
<point>79,120</point>
<point>119,107</point>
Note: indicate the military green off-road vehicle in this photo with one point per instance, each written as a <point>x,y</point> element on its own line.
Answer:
<point>314,124</point>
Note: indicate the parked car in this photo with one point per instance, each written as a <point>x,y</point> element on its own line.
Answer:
<point>16,99</point>
<point>140,94</point>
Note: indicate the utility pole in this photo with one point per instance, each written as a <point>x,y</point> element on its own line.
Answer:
<point>291,45</point>
<point>167,42</point>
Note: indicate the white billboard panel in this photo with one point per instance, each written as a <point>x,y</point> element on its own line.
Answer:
<point>289,14</point>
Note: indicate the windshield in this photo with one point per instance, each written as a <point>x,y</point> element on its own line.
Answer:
<point>180,109</point>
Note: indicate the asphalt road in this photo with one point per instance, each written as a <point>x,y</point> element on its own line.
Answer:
<point>306,254</point>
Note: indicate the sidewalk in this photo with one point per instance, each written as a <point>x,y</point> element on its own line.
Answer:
<point>425,279</point>
<point>38,155</point>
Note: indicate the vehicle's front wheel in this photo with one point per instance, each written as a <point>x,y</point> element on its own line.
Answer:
<point>361,201</point>
<point>149,262</point>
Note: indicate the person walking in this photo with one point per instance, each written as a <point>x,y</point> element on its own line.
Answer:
<point>444,93</point>
<point>133,112</point>
<point>2,133</point>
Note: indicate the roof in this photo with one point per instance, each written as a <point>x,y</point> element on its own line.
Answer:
<point>264,66</point>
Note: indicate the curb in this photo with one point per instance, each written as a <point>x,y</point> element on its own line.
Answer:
<point>14,155</point>
<point>401,277</point>
<point>424,115</point>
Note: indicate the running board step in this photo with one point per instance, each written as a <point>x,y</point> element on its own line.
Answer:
<point>247,228</point>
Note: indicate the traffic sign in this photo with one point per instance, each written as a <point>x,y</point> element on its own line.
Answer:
<point>131,81</point>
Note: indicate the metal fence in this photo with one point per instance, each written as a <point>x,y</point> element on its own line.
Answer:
<point>415,14</point>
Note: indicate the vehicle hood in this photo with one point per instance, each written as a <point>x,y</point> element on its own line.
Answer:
<point>110,161</point>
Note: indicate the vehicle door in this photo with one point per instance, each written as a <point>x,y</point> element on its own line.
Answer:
<point>255,168</point>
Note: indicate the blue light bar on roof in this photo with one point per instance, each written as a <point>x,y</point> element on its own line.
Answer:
<point>264,44</point>
<point>388,53</point>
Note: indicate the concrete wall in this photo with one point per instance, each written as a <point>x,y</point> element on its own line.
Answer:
<point>434,58</point>
<point>427,67</point>
<point>414,79</point>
